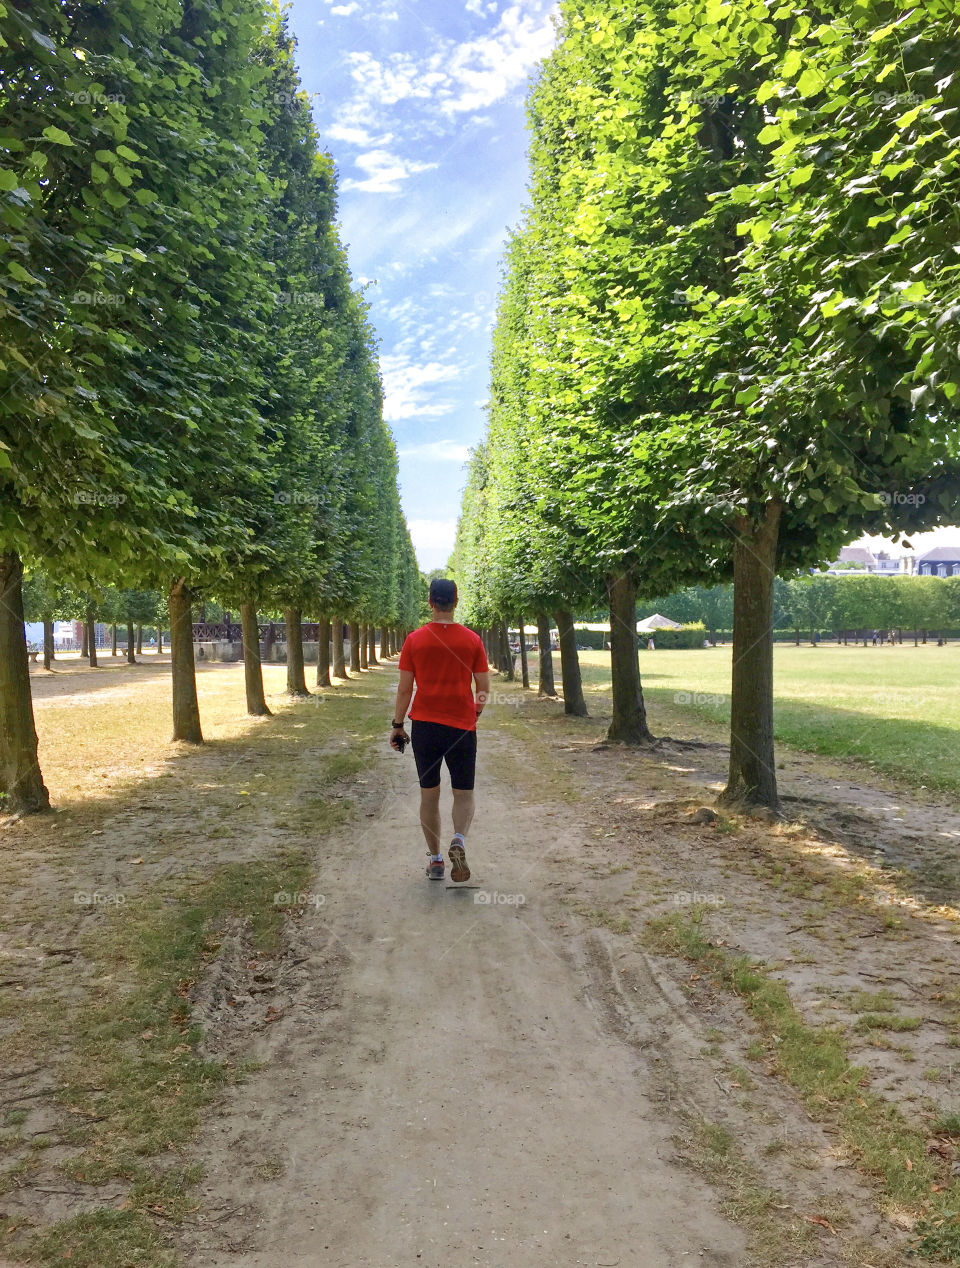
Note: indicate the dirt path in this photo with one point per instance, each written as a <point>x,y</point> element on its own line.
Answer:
<point>462,1101</point>
<point>452,1076</point>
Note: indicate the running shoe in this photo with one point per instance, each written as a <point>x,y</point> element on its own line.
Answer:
<point>458,860</point>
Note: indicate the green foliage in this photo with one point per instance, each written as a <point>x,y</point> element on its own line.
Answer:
<point>189,391</point>
<point>732,302</point>
<point>180,327</point>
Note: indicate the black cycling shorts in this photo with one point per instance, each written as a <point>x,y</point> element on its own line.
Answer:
<point>433,744</point>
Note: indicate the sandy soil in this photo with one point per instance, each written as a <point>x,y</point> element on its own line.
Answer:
<point>503,1074</point>
<point>460,1100</point>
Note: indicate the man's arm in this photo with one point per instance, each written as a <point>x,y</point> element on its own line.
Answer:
<point>404,696</point>
<point>482,685</point>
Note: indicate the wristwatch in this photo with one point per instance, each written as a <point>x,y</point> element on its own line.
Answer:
<point>397,726</point>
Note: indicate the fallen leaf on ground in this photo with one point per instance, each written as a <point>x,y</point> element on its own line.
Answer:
<point>818,1219</point>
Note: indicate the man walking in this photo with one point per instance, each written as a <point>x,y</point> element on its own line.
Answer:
<point>447,662</point>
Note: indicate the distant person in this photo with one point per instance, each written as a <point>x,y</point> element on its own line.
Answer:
<point>876,634</point>
<point>447,664</point>
<point>650,646</point>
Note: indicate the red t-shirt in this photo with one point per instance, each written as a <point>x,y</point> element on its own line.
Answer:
<point>444,657</point>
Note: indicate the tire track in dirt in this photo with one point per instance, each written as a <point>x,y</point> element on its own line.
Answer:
<point>463,1101</point>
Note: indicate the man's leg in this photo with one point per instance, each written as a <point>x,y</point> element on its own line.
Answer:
<point>463,807</point>
<point>430,817</point>
<point>462,761</point>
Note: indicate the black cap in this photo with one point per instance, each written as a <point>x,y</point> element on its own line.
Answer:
<point>443,593</point>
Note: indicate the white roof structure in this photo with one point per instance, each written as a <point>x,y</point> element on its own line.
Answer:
<point>657,622</point>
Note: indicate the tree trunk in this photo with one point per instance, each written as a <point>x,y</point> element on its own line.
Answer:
<point>372,645</point>
<point>48,648</point>
<point>573,701</point>
<point>186,710</point>
<point>92,639</point>
<point>354,647</point>
<point>385,651</point>
<point>506,655</point>
<point>547,686</point>
<point>113,640</point>
<point>753,777</point>
<point>339,667</point>
<point>524,666</point>
<point>21,784</point>
<point>629,722</point>
<point>364,641</point>
<point>131,645</point>
<point>252,669</point>
<point>296,679</point>
<point>84,643</point>
<point>323,653</point>
<point>139,640</point>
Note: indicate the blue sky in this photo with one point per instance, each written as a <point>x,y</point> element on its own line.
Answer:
<point>422,106</point>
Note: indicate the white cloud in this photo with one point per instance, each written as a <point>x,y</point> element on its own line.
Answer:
<point>433,540</point>
<point>384,172</point>
<point>484,71</point>
<point>359,137</point>
<point>345,10</point>
<point>453,79</point>
<point>407,386</point>
<point>437,451</point>
<point>945,535</point>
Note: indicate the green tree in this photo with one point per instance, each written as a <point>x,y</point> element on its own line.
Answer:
<point>712,411</point>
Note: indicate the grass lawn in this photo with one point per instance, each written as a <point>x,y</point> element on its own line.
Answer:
<point>895,708</point>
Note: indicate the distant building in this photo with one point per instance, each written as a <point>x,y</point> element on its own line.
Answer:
<point>942,561</point>
<point>857,560</point>
<point>855,557</point>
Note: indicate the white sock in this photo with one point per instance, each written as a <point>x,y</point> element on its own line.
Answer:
<point>458,836</point>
